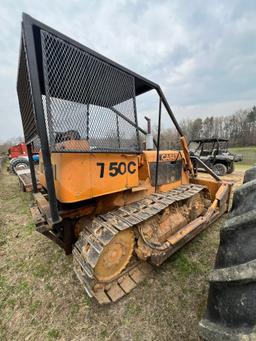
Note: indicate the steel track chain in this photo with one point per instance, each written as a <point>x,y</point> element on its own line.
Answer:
<point>101,231</point>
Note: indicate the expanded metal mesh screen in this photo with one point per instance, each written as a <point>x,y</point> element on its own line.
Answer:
<point>25,97</point>
<point>89,105</point>
<point>36,145</point>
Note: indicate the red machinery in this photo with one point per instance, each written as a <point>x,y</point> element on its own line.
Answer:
<point>17,151</point>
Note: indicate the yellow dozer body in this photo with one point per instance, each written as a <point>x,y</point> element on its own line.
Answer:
<point>79,176</point>
<point>129,225</point>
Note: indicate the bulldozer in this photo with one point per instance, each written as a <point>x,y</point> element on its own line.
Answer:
<point>110,195</point>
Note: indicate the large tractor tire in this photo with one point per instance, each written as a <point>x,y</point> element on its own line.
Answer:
<point>231,308</point>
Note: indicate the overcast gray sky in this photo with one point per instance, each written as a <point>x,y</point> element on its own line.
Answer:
<point>202,53</point>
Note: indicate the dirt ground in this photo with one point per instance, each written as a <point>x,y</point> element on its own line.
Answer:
<point>41,299</point>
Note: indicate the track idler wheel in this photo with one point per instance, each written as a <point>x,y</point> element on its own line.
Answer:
<point>115,256</point>
<point>231,308</point>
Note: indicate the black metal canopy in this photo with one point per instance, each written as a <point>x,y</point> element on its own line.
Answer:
<point>50,59</point>
<point>213,139</point>
<point>72,89</point>
<point>142,84</point>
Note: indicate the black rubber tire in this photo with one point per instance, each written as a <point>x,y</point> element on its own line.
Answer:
<point>231,307</point>
<point>19,163</point>
<point>220,169</point>
<point>231,168</point>
<point>250,174</point>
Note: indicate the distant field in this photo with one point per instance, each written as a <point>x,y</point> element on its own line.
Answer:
<point>249,155</point>
<point>240,166</point>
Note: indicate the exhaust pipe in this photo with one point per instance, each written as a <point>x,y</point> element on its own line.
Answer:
<point>149,136</point>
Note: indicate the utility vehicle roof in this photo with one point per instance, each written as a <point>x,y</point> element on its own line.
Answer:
<point>214,139</point>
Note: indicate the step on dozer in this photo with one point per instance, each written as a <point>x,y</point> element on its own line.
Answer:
<point>118,208</point>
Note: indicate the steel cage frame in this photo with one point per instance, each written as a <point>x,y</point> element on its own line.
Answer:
<point>30,28</point>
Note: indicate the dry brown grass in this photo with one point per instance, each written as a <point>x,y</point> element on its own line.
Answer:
<point>40,298</point>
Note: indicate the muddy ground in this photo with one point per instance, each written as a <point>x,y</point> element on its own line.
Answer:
<point>41,299</point>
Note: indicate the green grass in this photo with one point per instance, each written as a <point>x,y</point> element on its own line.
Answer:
<point>249,155</point>
<point>243,149</point>
<point>53,334</point>
<point>239,166</point>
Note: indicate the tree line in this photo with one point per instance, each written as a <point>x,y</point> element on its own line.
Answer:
<point>239,128</point>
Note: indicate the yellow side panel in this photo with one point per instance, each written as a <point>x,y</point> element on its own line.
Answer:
<point>80,176</point>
